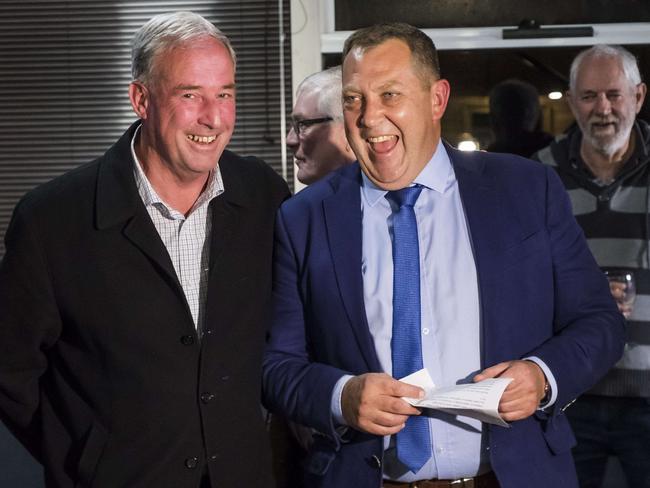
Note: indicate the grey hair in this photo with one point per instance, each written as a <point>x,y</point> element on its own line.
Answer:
<point>626,59</point>
<point>327,84</point>
<point>166,31</point>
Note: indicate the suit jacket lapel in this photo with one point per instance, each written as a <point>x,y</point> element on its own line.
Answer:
<point>342,211</point>
<point>493,229</point>
<point>481,204</point>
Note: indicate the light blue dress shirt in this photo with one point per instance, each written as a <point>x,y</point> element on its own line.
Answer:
<point>450,314</point>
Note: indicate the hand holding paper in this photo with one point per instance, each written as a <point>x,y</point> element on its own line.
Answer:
<point>477,400</point>
<point>373,403</point>
<point>521,398</point>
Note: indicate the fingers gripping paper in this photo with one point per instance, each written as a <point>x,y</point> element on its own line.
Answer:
<point>477,400</point>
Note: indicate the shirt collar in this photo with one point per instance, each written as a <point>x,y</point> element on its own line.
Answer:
<point>148,194</point>
<point>437,175</point>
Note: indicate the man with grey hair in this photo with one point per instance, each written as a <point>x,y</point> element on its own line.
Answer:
<point>134,289</point>
<point>317,136</point>
<point>605,165</point>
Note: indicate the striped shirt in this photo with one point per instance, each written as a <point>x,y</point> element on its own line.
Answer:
<point>614,217</point>
<point>187,239</point>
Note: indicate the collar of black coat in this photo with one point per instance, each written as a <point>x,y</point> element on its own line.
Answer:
<point>117,195</point>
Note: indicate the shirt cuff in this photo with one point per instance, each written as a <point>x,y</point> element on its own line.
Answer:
<point>552,384</point>
<point>335,404</point>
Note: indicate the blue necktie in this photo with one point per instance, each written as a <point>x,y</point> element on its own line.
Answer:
<point>414,441</point>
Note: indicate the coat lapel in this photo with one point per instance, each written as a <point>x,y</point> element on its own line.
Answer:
<point>225,210</point>
<point>342,211</point>
<point>225,256</point>
<point>118,203</point>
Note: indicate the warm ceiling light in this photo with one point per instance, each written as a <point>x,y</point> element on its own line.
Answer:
<point>468,145</point>
<point>555,95</point>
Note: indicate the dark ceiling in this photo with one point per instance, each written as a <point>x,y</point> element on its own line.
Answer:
<point>353,14</point>
<point>474,73</point>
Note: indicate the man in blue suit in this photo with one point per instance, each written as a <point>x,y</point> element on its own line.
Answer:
<point>470,265</point>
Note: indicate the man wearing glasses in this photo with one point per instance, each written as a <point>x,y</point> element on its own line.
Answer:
<point>317,136</point>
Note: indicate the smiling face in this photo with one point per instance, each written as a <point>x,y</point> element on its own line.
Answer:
<point>392,112</point>
<point>605,103</point>
<point>187,110</point>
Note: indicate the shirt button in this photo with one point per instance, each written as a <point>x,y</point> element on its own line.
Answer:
<point>214,457</point>
<point>425,331</point>
<point>187,340</point>
<point>191,463</point>
<point>603,197</point>
<point>441,449</point>
<point>207,397</point>
<point>225,378</point>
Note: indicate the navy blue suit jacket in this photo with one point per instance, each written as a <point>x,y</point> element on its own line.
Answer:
<point>541,294</point>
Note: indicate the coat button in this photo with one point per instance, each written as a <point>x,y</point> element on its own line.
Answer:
<point>192,462</point>
<point>187,340</point>
<point>375,461</point>
<point>207,397</point>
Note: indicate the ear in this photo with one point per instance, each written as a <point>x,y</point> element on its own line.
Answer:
<point>139,96</point>
<point>439,92</point>
<point>641,90</point>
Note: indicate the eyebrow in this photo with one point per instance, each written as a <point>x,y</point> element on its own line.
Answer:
<point>610,91</point>
<point>383,86</point>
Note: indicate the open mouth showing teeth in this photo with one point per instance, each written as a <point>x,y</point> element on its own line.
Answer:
<point>375,140</point>
<point>603,125</point>
<point>201,139</point>
<point>382,144</point>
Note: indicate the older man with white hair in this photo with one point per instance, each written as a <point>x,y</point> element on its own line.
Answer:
<point>317,136</point>
<point>605,166</point>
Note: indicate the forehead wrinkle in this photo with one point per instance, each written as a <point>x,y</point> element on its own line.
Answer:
<point>229,86</point>
<point>389,84</point>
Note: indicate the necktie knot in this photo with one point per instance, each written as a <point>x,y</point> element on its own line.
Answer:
<point>406,197</point>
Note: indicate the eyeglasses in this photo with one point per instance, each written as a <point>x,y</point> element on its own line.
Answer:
<point>300,126</point>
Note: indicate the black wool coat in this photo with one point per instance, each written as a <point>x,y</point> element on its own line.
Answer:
<point>102,374</point>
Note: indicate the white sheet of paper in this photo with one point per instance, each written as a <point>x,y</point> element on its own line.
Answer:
<point>477,400</point>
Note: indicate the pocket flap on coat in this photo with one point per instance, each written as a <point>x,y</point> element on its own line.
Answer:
<point>558,434</point>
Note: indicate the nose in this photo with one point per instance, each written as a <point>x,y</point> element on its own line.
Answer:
<point>603,104</point>
<point>210,114</point>
<point>371,113</point>
<point>292,140</point>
